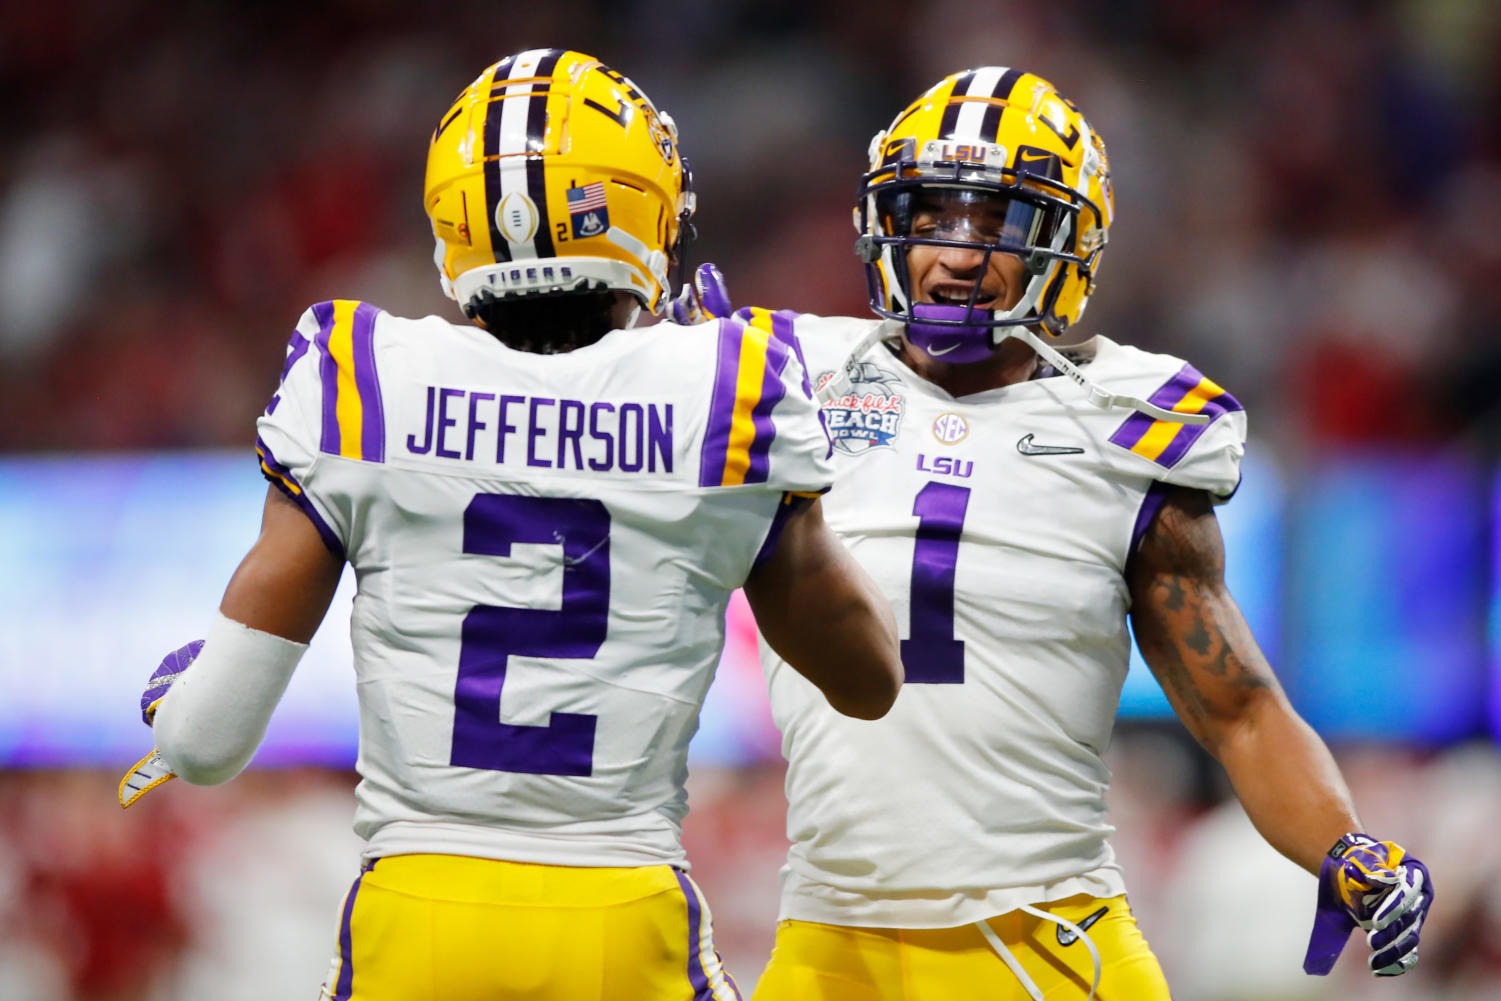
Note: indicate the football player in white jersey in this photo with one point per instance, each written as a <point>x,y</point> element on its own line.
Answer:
<point>546,513</point>
<point>1018,505</point>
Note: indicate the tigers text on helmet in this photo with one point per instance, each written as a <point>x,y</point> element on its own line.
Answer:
<point>552,173</point>
<point>1008,137</point>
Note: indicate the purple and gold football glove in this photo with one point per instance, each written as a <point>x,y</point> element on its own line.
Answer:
<point>1382,889</point>
<point>151,771</point>
<point>702,299</point>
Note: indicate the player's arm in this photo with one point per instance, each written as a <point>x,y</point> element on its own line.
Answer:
<point>824,615</point>
<point>211,720</point>
<point>1192,635</point>
<point>1197,643</point>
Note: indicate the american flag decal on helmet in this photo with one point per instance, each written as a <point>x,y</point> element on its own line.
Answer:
<point>586,207</point>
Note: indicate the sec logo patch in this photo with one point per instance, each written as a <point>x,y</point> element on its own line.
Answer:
<point>950,428</point>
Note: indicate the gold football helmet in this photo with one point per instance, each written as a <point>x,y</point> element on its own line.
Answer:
<point>554,173</point>
<point>1007,136</point>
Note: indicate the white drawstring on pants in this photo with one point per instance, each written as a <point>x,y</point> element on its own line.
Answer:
<point>1028,984</point>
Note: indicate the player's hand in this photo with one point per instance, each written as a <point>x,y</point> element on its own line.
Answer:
<point>703,299</point>
<point>1379,887</point>
<point>168,671</point>
<point>153,770</point>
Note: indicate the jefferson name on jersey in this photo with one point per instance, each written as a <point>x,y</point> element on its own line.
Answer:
<point>545,547</point>
<point>545,432</point>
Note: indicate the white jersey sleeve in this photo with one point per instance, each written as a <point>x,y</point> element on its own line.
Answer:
<point>1203,456</point>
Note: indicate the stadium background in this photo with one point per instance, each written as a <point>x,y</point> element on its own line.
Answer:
<point>1309,208</point>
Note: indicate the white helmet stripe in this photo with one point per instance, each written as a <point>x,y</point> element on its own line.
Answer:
<point>513,139</point>
<point>972,113</point>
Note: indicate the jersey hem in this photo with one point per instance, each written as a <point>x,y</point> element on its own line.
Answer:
<point>606,850</point>
<point>804,900</point>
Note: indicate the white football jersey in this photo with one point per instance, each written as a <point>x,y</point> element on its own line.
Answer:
<point>544,547</point>
<point>1000,526</point>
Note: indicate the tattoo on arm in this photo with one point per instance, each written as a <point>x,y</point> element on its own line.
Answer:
<point>1189,629</point>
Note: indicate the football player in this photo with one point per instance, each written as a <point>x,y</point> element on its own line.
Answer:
<point>1019,504</point>
<point>546,512</point>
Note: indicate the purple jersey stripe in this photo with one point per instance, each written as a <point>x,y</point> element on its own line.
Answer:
<point>772,391</point>
<point>790,505</point>
<point>1151,503</point>
<point>1129,433</point>
<point>721,407</point>
<point>367,381</point>
<point>296,348</point>
<point>1168,395</point>
<point>328,369</point>
<point>282,479</point>
<point>784,328</point>
<point>1184,439</point>
<point>345,985</point>
<point>696,975</point>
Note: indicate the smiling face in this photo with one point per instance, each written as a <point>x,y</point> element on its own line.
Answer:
<point>949,275</point>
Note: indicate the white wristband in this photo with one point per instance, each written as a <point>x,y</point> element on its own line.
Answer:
<point>211,721</point>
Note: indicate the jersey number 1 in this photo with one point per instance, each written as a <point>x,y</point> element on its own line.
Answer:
<point>493,633</point>
<point>932,656</point>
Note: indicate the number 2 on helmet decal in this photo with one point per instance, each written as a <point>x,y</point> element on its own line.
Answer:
<point>932,656</point>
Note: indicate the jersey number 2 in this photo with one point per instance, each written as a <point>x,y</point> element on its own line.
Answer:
<point>493,633</point>
<point>932,656</point>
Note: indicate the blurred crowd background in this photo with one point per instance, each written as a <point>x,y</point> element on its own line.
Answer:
<point>1309,209</point>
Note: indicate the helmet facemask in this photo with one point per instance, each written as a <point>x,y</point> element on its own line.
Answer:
<point>952,195</point>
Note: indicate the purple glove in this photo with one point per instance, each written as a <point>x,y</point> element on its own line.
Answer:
<point>1378,886</point>
<point>702,299</point>
<point>170,670</point>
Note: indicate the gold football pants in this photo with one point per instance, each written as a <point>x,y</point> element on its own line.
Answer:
<point>451,928</point>
<point>818,962</point>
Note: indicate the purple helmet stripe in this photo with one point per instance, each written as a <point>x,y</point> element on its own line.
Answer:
<point>697,977</point>
<point>990,125</point>
<point>282,479</point>
<point>772,391</point>
<point>328,370</point>
<point>345,984</point>
<point>721,407</point>
<point>536,131</point>
<point>367,382</point>
<point>951,110</point>
<point>499,246</point>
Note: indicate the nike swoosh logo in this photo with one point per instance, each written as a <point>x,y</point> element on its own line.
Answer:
<point>936,353</point>
<point>1025,447</point>
<point>1067,937</point>
<point>1030,157</point>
